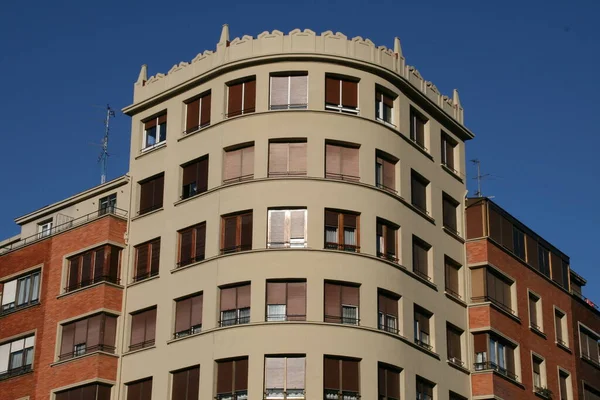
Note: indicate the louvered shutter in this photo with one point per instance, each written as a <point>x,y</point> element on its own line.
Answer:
<point>296,301</point>
<point>333,161</point>
<point>332,91</point>
<point>205,110</point>
<point>193,116</point>
<point>331,373</point>
<point>299,90</point>
<point>155,258</point>
<point>234,100</point>
<point>279,91</point>
<point>298,225</point>
<point>350,166</point>
<point>276,228</point>
<point>333,306</point>
<point>297,158</point>
<point>350,375</point>
<point>248,162</point>
<point>278,158</point>
<point>249,96</point>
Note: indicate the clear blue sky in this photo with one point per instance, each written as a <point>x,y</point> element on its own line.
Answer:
<point>527,72</point>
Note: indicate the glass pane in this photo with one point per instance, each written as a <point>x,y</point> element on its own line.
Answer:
<point>501,360</point>
<point>379,244</point>
<point>16,360</point>
<point>151,136</point>
<point>276,312</point>
<point>350,236</point>
<point>36,287</point>
<point>378,174</point>
<point>29,356</point>
<point>331,235</point>
<point>424,337</point>
<point>244,315</point>
<point>492,350</point>
<point>391,323</point>
<point>24,288</point>
<point>349,315</point>
<point>387,114</point>
<point>228,317</point>
<point>163,132</point>
<point>381,320</point>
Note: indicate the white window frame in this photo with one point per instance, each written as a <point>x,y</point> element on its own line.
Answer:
<point>201,98</point>
<point>379,116</point>
<point>45,229</point>
<point>289,242</point>
<point>569,383</point>
<point>564,327</point>
<point>160,135</point>
<point>543,374</point>
<point>538,310</point>
<point>592,332</point>
<point>285,383</point>
<point>22,344</point>
<point>287,106</point>
<point>340,107</point>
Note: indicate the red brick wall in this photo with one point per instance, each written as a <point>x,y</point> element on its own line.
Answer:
<point>590,318</point>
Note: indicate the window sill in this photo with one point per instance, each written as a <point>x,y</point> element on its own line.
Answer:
<point>455,299</point>
<point>498,374</point>
<point>184,337</point>
<point>541,396</point>
<point>73,292</point>
<point>564,347</point>
<point>452,173</point>
<point>29,371</point>
<point>422,213</point>
<point>127,353</point>
<point>150,278</point>
<point>6,314</point>
<point>593,364</point>
<point>538,332</point>
<point>416,146</point>
<point>146,214</point>
<point>151,149</point>
<point>93,353</point>
<point>453,234</point>
<point>388,124</point>
<point>459,367</point>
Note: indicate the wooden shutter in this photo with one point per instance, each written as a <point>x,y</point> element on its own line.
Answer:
<point>68,338</point>
<point>249,96</point>
<point>295,372</point>
<point>234,100</point>
<point>296,301</point>
<point>110,330</point>
<point>389,174</point>
<point>333,158</point>
<point>200,241</point>
<point>228,299</point>
<point>243,296</point>
<point>155,258</point>
<point>232,167</point>
<point>350,295</point>
<point>193,115</point>
<point>332,91</point>
<point>349,165</point>
<point>279,91</point>
<point>507,234</point>
<point>141,260</point>
<point>183,309</point>
<point>248,161</point>
<point>241,374</point>
<point>278,158</point>
<point>297,158</point>
<point>276,293</point>
<point>276,234</point>
<point>333,305</point>
<point>205,110</point>
<point>246,234</point>
<point>224,377</point>
<point>350,375</point>
<point>73,272</point>
<point>185,243</point>
<point>299,89</point>
<point>274,372</point>
<point>349,94</point>
<point>331,373</point>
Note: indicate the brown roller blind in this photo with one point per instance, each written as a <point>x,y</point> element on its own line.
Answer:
<point>562,377</point>
<point>299,89</point>
<point>296,300</point>
<point>73,272</point>
<point>391,307</point>
<point>197,305</point>
<point>110,330</point>
<point>278,158</point>
<point>480,342</point>
<point>333,157</point>
<point>332,91</point>
<point>536,365</point>
<point>297,224</point>
<point>67,341</point>
<point>449,210</point>
<point>150,324</point>
<point>241,374</point>
<point>249,96</point>
<point>230,234</point>
<point>390,240</point>
<point>103,392</point>
<point>387,100</point>
<point>420,262</point>
<point>158,192</point>
<point>205,110</point>
<point>193,115</point>
<point>507,234</point>
<point>556,265</point>
<point>350,165</point>
<point>331,373</point>
<point>200,241</point>
<point>243,296</point>
<point>510,359</point>
<point>417,127</point>
<point>350,295</point>
<point>234,100</point>
<point>274,372</point>
<point>333,306</point>
<point>162,119</point>
<point>297,157</point>
<point>349,94</point>
<point>190,173</point>
<point>138,328</point>
<point>295,372</point>
<point>87,392</point>
<point>451,276</point>
<point>393,384</point>
<point>155,258</point>
<point>141,259</point>
<point>419,191</point>
<point>453,337</point>
<point>246,234</point>
<point>183,310</point>
<point>224,376</point>
<point>276,293</point>
<point>350,220</point>
<point>495,224</point>
<point>248,161</point>
<point>381,381</point>
<point>331,218</point>
<point>228,299</point>
<point>86,268</point>
<point>150,124</point>
<point>475,218</point>
<point>478,282</point>
<point>279,90</point>
<point>350,377</point>
<point>423,319</point>
<point>99,264</point>
<point>185,243</point>
<point>115,258</point>
<point>180,380</point>
<point>81,331</point>
<point>93,332</point>
<point>389,174</point>
<point>232,167</point>
<point>532,251</point>
<point>134,391</point>
<point>594,349</point>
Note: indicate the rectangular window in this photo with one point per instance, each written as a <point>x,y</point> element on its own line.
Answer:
<point>188,315</point>
<point>151,194</point>
<point>424,389</point>
<point>560,325</point>
<point>455,396</point>
<point>417,128</point>
<point>143,329</point>
<point>490,285</point>
<point>590,346</point>
<point>236,232</point>
<point>448,152</point>
<point>195,177</point>
<point>544,260</point>
<point>387,309</point>
<point>97,265</point>
<point>564,381</point>
<point>387,240</point>
<point>535,312</point>
<point>192,243</point>
<point>186,384</point>
<point>421,258</point>
<point>16,357</point>
<point>422,333</point>
<point>147,259</point>
<point>341,94</point>
<point>450,210</point>
<point>286,301</point>
<point>418,191</point>
<point>501,357</point>
<point>92,391</point>
<point>238,164</point>
<point>384,107</point>
<point>388,382</point>
<point>140,390</point>
<point>452,271</point>
<point>241,97</point>
<point>197,114</point>
<point>155,131</point>
<point>287,229</point>
<point>287,158</point>
<point>519,243</point>
<point>284,377</point>
<point>342,231</point>
<point>538,382</point>
<point>289,92</point>
<point>341,303</point>
<point>87,335</point>
<point>20,292</point>
<point>108,204</point>
<point>341,162</point>
<point>453,335</point>
<point>340,378</point>
<point>385,171</point>
<point>232,379</point>
<point>235,305</point>
<point>44,229</point>
<point>590,393</point>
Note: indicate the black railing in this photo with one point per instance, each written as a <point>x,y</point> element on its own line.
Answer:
<point>542,391</point>
<point>495,302</point>
<point>141,345</point>
<point>389,329</point>
<point>388,189</point>
<point>451,168</point>
<point>91,281</point>
<point>422,274</point>
<point>586,300</point>
<point>341,246</point>
<point>421,145</point>
<point>335,394</point>
<point>300,106</point>
<point>421,208</point>
<point>536,327</point>
<point>342,320</point>
<point>280,393</point>
<point>489,365</point>
<point>286,245</point>
<point>237,395</point>
<point>342,177</point>
<point>192,129</point>
<point>15,372</point>
<point>191,260</point>
<point>13,307</point>
<point>241,112</point>
<point>456,361</point>
<point>287,173</point>
<point>236,249</point>
<point>144,275</point>
<point>452,229</point>
<point>234,321</point>
<point>153,207</point>
<point>422,344</point>
<point>187,332</point>
<point>285,317</point>
<point>453,293</point>
<point>241,178</point>
<point>342,109</point>
<point>83,349</point>
<point>388,256</point>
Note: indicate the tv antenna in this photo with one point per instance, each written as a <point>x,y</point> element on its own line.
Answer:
<point>103,158</point>
<point>479,177</point>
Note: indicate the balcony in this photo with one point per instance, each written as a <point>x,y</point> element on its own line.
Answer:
<point>342,320</point>
<point>91,281</point>
<point>334,394</point>
<point>491,366</point>
<point>388,256</point>
<point>11,373</point>
<point>423,344</point>
<point>342,177</point>
<point>82,349</point>
<point>285,317</point>
<point>343,247</point>
<point>237,395</point>
<point>234,321</point>
<point>187,332</point>
<point>494,302</point>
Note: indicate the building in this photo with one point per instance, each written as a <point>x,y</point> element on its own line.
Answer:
<point>245,280</point>
<point>61,297</point>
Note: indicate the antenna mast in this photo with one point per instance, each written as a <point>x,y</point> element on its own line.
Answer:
<point>479,177</point>
<point>103,158</point>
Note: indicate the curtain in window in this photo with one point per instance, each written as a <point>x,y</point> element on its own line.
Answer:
<point>350,236</point>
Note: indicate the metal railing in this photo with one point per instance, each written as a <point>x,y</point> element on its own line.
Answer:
<point>342,320</point>
<point>91,281</point>
<point>236,249</point>
<point>237,395</point>
<point>423,209</point>
<point>150,209</point>
<point>562,343</point>
<point>342,109</point>
<point>536,327</point>
<point>241,178</point>
<point>191,260</point>
<point>300,106</point>
<point>13,307</point>
<point>495,302</point>
<point>280,393</point>
<point>141,345</point>
<point>587,357</point>
<point>285,317</point>
<point>422,344</point>
<point>287,173</point>
<point>86,350</point>
<point>421,145</point>
<point>586,300</point>
<point>383,327</point>
<point>388,189</point>
<point>145,275</point>
<point>287,245</point>
<point>63,227</point>
<point>342,177</point>
<point>489,365</point>
<point>341,246</point>
<point>453,293</point>
<point>15,372</point>
<point>241,112</point>
<point>456,361</point>
<point>422,274</point>
<point>335,394</point>
<point>234,321</point>
<point>187,332</point>
<point>195,128</point>
<point>388,256</point>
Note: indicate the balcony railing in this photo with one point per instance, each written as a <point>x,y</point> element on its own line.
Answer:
<point>422,274</point>
<point>195,128</point>
<point>388,256</point>
<point>83,349</point>
<point>389,329</point>
<point>15,372</point>
<point>241,112</point>
<point>237,395</point>
<point>141,345</point>
<point>187,332</point>
<point>238,179</point>
<point>424,345</point>
<point>287,173</point>
<point>587,357</point>
<point>300,106</point>
<point>13,307</point>
<point>285,317</point>
<point>234,321</point>
<point>145,275</point>
<point>453,293</point>
<point>388,189</point>
<point>300,244</point>
<point>63,227</point>
<point>91,281</point>
<point>342,320</point>
<point>334,394</point>
<point>280,393</point>
<point>495,302</point>
<point>456,361</point>
<point>562,343</point>
<point>586,300</point>
<point>236,249</point>
<point>342,109</point>
<point>342,177</point>
<point>489,365</point>
<point>344,247</point>
<point>190,260</point>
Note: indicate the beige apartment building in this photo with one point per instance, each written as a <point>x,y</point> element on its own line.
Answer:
<point>296,227</point>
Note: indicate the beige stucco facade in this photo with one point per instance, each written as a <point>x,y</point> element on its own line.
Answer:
<point>317,56</point>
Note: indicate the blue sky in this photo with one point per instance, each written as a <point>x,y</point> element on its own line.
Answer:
<point>526,72</point>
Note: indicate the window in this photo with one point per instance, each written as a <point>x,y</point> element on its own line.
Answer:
<point>387,242</point>
<point>341,303</point>
<point>535,312</point>
<point>494,353</point>
<point>287,158</point>
<point>417,128</point>
<point>287,229</point>
<point>565,274</point>
<point>241,97</point>
<point>590,393</point>
<point>544,260</point>
<point>539,381</point>
<point>452,271</point>
<point>560,325</point>
<point>44,229</point>
<point>236,232</point>
<point>422,337</point>
<point>590,346</point>
<point>564,383</point>
<point>20,292</point>
<point>143,329</point>
<point>235,305</point>
<point>192,242</point>
<point>341,378</point>
<point>284,377</point>
<point>94,333</point>
<point>450,209</point>
<point>448,151</point>
<point>93,391</point>
<point>387,310</point>
<point>286,301</point>
<point>147,259</point>
<point>342,231</point>
<point>289,91</point>
<point>232,379</point>
<point>421,258</point>
<point>388,382</point>
<point>341,94</point>
<point>188,315</point>
<point>108,204</point>
<point>384,106</point>
<point>238,164</point>
<point>16,357</point>
<point>519,243</point>
<point>195,178</point>
<point>418,191</point>
<point>98,265</point>
<point>453,338</point>
<point>140,390</point>
<point>186,384</point>
<point>489,285</point>
<point>385,171</point>
<point>424,389</point>
<point>197,113</point>
<point>155,131</point>
<point>455,396</point>
<point>341,162</point>
<point>151,194</point>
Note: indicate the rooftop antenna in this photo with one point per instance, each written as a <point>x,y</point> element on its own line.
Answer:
<point>479,177</point>
<point>103,158</point>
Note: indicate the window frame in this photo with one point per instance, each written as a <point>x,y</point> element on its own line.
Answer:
<point>283,393</point>
<point>418,331</point>
<point>450,202</point>
<point>343,368</point>
<point>340,107</point>
<point>382,240</point>
<point>32,274</point>
<point>149,339</point>
<point>288,173</point>
<point>589,334</point>
<point>415,116</point>
<point>235,393</point>
<point>111,204</point>
<point>156,180</point>
<point>341,319</point>
<point>287,317</point>
<point>448,140</point>
<point>239,319</point>
<point>243,109</point>
<point>423,387</point>
<point>201,182</point>
<point>381,94</point>
<point>149,257</point>
<point>45,228</point>
<point>109,275</point>
<point>538,326</point>
<point>289,105</point>
<point>543,382</point>
<point>342,215</point>
<point>239,247</point>
<point>98,395</point>
<point>241,177</point>
<point>343,146</point>
<point>381,160</point>
<point>288,241</point>
<point>193,328</point>
<point>83,348</point>
<point>25,352</point>
<point>194,256</point>
<point>204,96</point>
<point>426,247</point>
<point>388,369</point>
<point>383,316</point>
<point>459,333</point>
<point>161,131</point>
<point>451,263</point>
<point>563,341</point>
<point>416,177</point>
